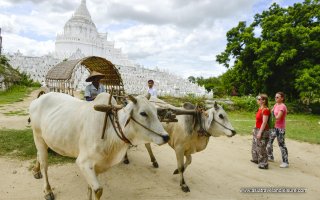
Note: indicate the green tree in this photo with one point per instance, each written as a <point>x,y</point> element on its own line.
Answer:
<point>213,84</point>
<point>308,83</point>
<point>275,59</point>
<point>11,76</point>
<point>192,79</point>
<point>7,73</point>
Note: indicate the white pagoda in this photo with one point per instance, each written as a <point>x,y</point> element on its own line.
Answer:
<point>80,36</point>
<point>80,39</point>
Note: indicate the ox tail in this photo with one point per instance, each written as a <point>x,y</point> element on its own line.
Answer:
<point>40,93</point>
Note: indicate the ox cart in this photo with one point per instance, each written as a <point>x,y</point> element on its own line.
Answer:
<point>189,127</point>
<point>64,77</point>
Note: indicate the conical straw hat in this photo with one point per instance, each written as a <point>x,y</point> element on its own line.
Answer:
<point>94,74</point>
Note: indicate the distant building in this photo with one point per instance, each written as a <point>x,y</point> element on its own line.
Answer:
<point>79,39</point>
<point>80,34</point>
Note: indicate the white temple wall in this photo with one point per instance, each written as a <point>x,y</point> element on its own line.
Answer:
<point>65,50</point>
<point>134,78</point>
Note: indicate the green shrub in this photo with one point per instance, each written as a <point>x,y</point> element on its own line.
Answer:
<point>27,81</point>
<point>315,108</point>
<point>178,101</point>
<point>200,101</point>
<point>13,76</point>
<point>245,103</point>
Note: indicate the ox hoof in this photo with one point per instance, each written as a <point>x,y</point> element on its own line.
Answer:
<point>98,193</point>
<point>49,196</point>
<point>37,175</point>
<point>126,161</point>
<point>176,171</point>
<point>185,188</point>
<point>155,164</point>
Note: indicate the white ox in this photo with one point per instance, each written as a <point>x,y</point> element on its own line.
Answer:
<point>71,127</point>
<point>191,134</point>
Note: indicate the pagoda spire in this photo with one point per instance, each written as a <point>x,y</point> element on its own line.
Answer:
<point>82,10</point>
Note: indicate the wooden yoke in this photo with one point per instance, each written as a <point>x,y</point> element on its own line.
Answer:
<point>169,114</point>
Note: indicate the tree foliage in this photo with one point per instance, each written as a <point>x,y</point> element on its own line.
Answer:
<point>278,51</point>
<point>7,73</point>
<point>213,84</point>
<point>308,83</point>
<point>12,76</point>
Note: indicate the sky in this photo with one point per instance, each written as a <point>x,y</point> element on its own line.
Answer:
<point>182,37</point>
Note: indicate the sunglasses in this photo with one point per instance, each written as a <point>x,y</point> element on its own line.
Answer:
<point>277,97</point>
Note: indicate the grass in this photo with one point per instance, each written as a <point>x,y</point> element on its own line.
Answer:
<point>16,113</point>
<point>301,127</point>
<point>20,144</point>
<point>15,93</point>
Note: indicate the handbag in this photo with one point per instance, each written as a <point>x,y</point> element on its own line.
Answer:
<point>271,119</point>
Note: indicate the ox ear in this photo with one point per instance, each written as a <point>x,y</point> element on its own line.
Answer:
<point>148,96</point>
<point>216,107</point>
<point>133,99</point>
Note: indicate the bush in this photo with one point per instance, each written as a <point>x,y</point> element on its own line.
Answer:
<point>315,108</point>
<point>178,101</point>
<point>13,76</point>
<point>200,101</point>
<point>245,103</point>
<point>27,81</point>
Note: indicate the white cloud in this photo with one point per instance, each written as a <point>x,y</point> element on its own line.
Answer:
<point>8,24</point>
<point>182,36</point>
<point>27,46</point>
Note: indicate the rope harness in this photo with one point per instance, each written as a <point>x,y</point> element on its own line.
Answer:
<point>116,126</point>
<point>133,119</point>
<point>113,116</point>
<point>198,118</point>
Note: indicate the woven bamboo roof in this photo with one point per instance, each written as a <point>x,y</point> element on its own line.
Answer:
<point>64,70</point>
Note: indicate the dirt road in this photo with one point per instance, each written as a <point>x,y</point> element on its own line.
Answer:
<point>219,172</point>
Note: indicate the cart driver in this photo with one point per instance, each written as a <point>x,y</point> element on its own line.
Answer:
<point>95,88</point>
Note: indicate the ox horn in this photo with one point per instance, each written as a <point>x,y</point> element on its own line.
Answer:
<point>117,107</point>
<point>148,96</point>
<point>133,99</point>
<point>216,105</point>
<point>184,112</point>
<point>103,107</point>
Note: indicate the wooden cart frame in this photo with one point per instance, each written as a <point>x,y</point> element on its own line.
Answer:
<point>61,77</point>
